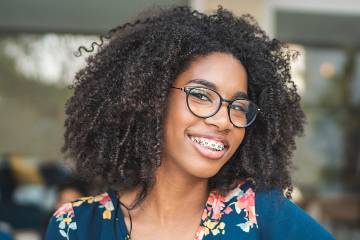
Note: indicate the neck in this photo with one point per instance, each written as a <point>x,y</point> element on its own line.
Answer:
<point>172,192</point>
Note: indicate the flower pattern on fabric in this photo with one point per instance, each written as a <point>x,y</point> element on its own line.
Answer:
<point>65,214</point>
<point>246,202</point>
<point>240,202</point>
<point>217,205</point>
<point>224,217</point>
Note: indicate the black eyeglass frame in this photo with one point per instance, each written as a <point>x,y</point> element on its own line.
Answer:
<point>189,88</point>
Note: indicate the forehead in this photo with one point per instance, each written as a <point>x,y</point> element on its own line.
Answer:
<point>222,69</point>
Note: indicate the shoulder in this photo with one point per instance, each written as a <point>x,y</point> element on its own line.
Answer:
<point>71,218</point>
<point>251,214</point>
<point>282,219</point>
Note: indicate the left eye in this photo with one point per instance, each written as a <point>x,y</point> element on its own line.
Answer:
<point>200,96</point>
<point>239,108</point>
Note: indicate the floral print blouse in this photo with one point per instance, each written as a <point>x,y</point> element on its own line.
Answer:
<point>241,214</point>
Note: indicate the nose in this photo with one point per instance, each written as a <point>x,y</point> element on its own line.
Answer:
<point>220,119</point>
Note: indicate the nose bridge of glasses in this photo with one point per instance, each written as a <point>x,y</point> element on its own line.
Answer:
<point>227,104</point>
<point>222,110</point>
<point>225,113</point>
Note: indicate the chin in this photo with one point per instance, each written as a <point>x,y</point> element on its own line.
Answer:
<point>204,171</point>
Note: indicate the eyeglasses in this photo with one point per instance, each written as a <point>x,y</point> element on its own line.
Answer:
<point>204,103</point>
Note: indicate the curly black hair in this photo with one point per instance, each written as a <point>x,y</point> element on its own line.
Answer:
<point>114,120</point>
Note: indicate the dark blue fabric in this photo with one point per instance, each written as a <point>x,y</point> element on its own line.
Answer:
<point>280,219</point>
<point>277,218</point>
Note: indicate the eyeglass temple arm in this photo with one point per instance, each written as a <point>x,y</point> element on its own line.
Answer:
<point>182,89</point>
<point>177,88</point>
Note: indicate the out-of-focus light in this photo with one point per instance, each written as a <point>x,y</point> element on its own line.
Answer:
<point>327,70</point>
<point>48,58</point>
<point>297,196</point>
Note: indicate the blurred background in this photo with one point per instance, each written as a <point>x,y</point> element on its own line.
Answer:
<point>37,41</point>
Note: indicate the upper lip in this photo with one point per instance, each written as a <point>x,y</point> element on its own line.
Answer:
<point>212,136</point>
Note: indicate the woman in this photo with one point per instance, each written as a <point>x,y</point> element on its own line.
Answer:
<point>189,120</point>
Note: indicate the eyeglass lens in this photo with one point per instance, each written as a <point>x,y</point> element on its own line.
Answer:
<point>205,102</point>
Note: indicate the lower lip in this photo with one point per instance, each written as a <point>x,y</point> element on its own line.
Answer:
<point>207,152</point>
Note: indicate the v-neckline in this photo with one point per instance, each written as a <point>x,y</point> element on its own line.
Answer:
<point>213,197</point>
<point>119,217</point>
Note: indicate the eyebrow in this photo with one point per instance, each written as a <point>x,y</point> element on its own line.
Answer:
<point>212,86</point>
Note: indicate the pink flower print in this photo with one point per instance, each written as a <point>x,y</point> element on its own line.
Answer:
<point>245,201</point>
<point>65,209</point>
<point>228,210</point>
<point>216,202</point>
<point>201,232</point>
<point>105,199</point>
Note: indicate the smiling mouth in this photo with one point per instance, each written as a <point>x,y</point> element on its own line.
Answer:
<point>208,148</point>
<point>208,143</point>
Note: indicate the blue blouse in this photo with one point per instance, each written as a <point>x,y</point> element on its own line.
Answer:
<point>241,214</point>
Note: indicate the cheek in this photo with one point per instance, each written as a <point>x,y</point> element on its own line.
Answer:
<point>177,119</point>
<point>178,116</point>
<point>238,137</point>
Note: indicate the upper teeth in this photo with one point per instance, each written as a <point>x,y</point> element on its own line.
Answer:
<point>218,146</point>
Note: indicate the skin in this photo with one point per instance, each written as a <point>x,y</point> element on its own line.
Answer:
<point>181,180</point>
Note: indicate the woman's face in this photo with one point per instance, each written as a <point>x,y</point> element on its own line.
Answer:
<point>183,131</point>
